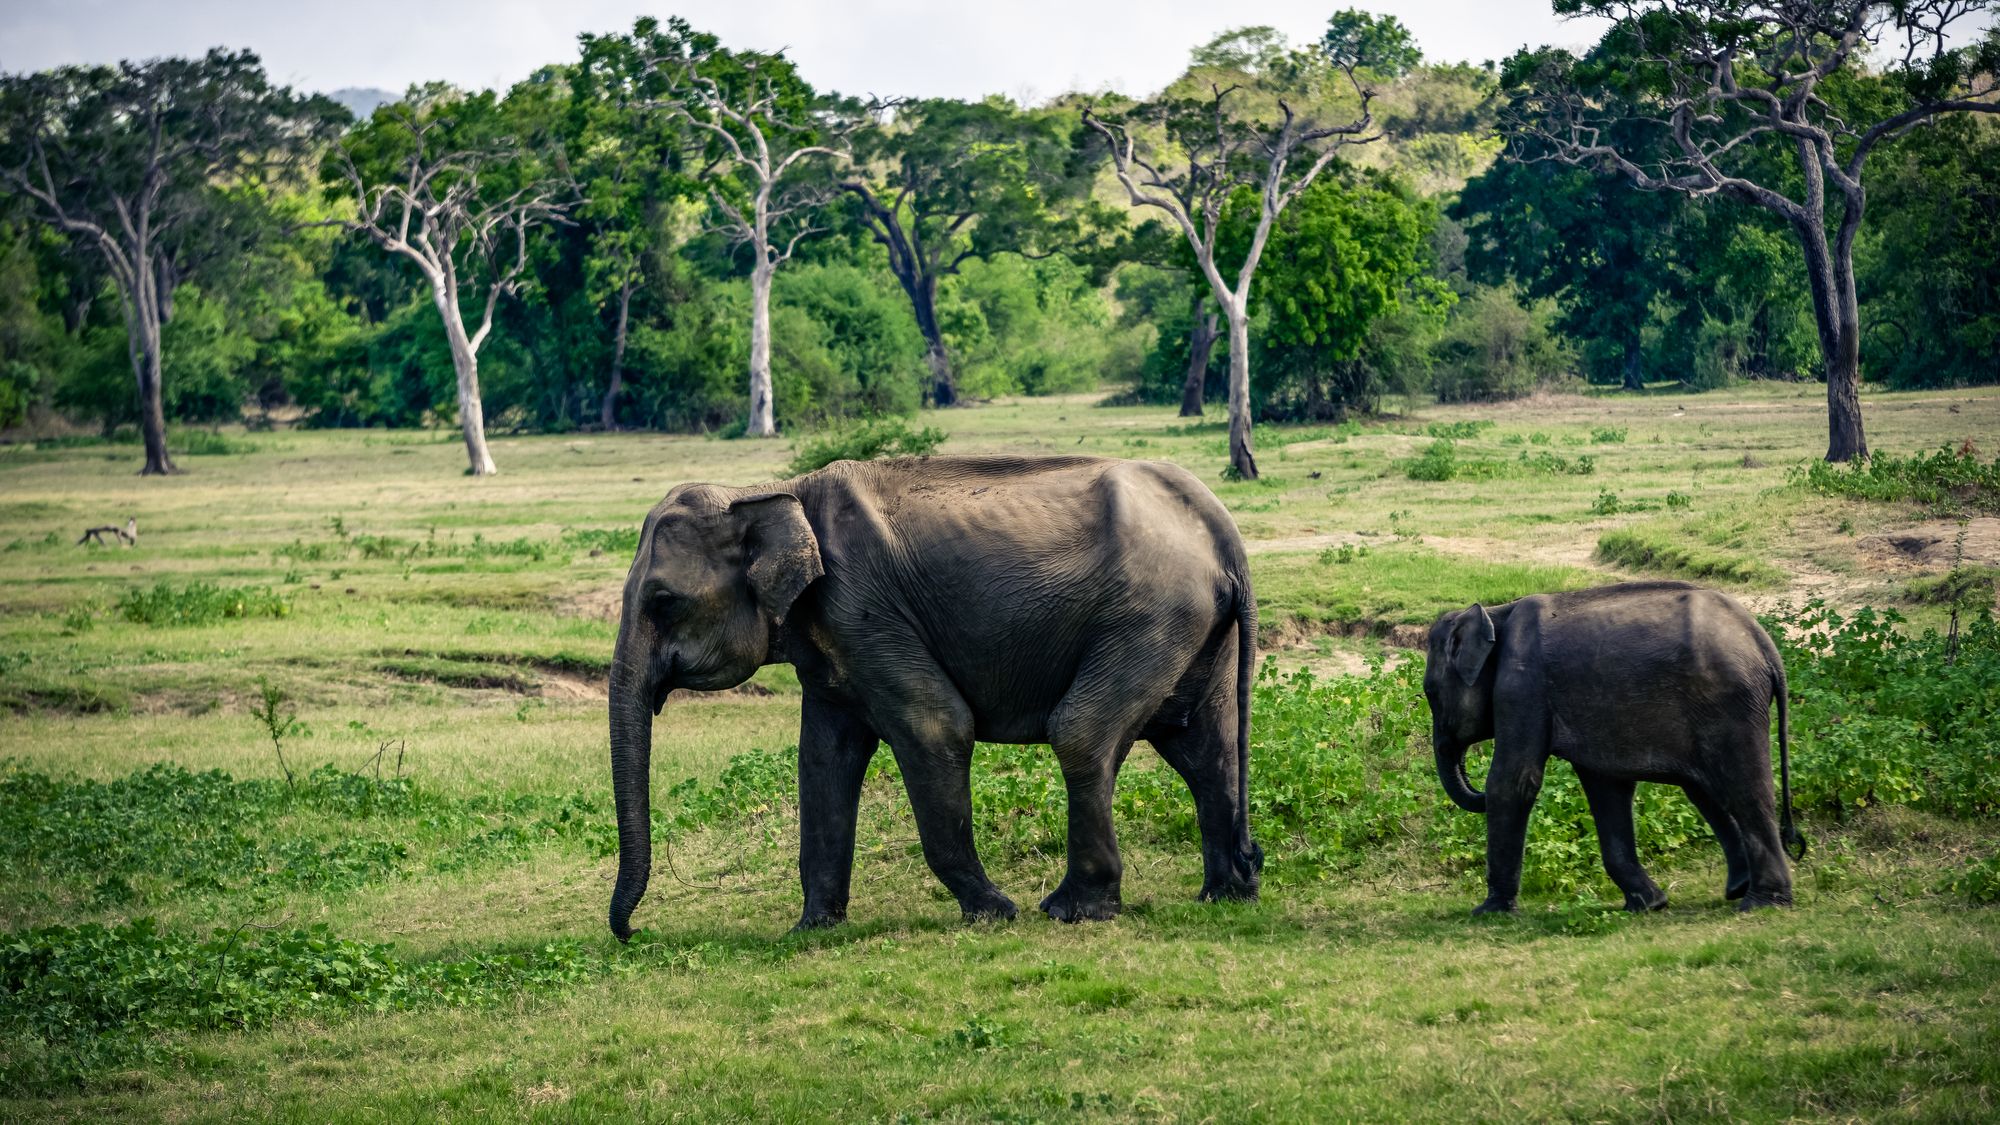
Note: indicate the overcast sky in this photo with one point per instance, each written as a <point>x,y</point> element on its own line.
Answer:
<point>1031,49</point>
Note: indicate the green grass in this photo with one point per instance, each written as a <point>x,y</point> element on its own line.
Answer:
<point>465,627</point>
<point>1395,583</point>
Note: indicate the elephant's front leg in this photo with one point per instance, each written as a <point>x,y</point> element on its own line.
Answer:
<point>835,746</point>
<point>1512,784</point>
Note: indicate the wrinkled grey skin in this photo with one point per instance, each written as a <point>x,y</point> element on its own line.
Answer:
<point>927,603</point>
<point>1646,681</point>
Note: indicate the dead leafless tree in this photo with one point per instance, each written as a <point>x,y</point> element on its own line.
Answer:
<point>1726,78</point>
<point>1187,158</point>
<point>433,212</point>
<point>754,139</point>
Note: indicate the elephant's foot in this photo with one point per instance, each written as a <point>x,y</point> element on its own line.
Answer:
<point>1758,900</point>
<point>1231,889</point>
<point>819,920</point>
<point>1495,906</point>
<point>1736,889</point>
<point>988,905</point>
<point>1231,877</point>
<point>1646,901</point>
<point>1069,904</point>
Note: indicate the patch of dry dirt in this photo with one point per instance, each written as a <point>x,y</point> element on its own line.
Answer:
<point>603,604</point>
<point>1933,547</point>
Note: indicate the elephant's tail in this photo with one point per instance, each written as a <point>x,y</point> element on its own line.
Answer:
<point>1794,840</point>
<point>1246,671</point>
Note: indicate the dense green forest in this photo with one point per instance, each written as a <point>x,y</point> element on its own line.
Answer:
<point>614,236</point>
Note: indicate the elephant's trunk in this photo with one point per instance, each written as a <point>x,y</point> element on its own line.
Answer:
<point>1451,771</point>
<point>632,693</point>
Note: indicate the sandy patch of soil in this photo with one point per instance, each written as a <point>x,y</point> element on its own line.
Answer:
<point>604,604</point>
<point>1933,547</point>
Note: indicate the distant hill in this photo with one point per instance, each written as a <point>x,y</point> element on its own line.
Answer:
<point>362,100</point>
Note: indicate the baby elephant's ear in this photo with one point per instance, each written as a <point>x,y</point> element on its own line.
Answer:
<point>1471,643</point>
<point>779,548</point>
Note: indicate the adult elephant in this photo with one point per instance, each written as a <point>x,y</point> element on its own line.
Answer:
<point>1077,601</point>
<point>1644,681</point>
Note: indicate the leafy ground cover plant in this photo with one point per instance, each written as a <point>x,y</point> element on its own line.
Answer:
<point>200,603</point>
<point>1948,480</point>
<point>865,441</point>
<point>1884,716</point>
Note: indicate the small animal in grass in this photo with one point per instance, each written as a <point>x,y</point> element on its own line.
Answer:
<point>1645,681</point>
<point>127,536</point>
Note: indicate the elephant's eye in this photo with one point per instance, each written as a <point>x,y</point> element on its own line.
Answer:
<point>666,602</point>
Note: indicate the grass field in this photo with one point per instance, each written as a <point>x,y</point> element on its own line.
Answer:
<point>422,625</point>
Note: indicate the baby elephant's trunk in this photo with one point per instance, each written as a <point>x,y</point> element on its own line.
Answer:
<point>1451,771</point>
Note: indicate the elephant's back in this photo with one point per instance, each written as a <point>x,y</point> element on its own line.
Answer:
<point>1011,570</point>
<point>1653,656</point>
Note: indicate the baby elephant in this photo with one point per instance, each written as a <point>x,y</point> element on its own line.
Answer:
<point>1647,681</point>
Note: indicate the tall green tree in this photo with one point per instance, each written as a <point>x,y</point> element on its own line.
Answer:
<point>1376,43</point>
<point>1715,88</point>
<point>1355,247</point>
<point>439,182</point>
<point>1930,279</point>
<point>943,182</point>
<point>161,168</point>
<point>627,158</point>
<point>1579,237</point>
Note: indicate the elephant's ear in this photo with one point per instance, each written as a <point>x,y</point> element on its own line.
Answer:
<point>1472,643</point>
<point>781,549</point>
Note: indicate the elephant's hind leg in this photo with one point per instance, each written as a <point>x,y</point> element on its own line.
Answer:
<point>1724,827</point>
<point>1115,691</point>
<point>1204,754</point>
<point>1749,801</point>
<point>1091,886</point>
<point>1611,807</point>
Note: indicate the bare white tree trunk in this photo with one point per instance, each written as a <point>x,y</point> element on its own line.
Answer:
<point>465,361</point>
<point>1241,457</point>
<point>761,422</point>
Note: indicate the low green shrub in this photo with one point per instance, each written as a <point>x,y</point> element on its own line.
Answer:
<point>1948,481</point>
<point>1469,428</point>
<point>1964,587</point>
<point>609,541</point>
<point>865,441</point>
<point>1439,462</point>
<point>200,603</point>
<point>1884,716</point>
<point>209,443</point>
<point>1556,465</point>
<point>166,830</point>
<point>79,999</point>
<point>1978,881</point>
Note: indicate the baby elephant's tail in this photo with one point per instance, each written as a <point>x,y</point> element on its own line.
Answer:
<point>1794,840</point>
